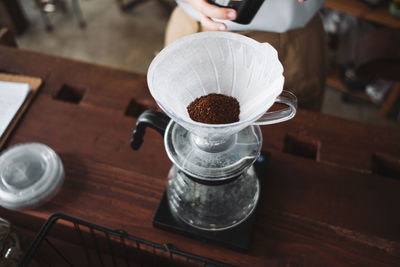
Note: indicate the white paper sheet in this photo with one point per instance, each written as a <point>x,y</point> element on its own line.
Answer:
<point>12,96</point>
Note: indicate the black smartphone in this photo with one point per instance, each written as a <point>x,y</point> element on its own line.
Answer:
<point>246,9</point>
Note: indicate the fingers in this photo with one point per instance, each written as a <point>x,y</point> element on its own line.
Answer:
<point>209,24</point>
<point>208,11</point>
<point>213,11</point>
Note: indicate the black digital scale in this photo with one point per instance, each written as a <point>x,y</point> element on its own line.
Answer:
<point>237,237</point>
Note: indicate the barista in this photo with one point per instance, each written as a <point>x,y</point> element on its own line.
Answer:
<point>292,27</point>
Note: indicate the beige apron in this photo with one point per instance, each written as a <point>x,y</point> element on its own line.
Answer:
<point>303,53</point>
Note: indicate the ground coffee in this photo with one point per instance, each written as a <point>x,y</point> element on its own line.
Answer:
<point>214,109</point>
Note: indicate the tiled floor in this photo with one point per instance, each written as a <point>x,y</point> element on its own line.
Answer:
<point>123,40</point>
<point>129,41</point>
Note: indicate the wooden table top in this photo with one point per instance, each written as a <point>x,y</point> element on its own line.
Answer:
<point>331,196</point>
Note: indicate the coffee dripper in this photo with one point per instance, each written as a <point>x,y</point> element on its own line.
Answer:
<point>212,184</point>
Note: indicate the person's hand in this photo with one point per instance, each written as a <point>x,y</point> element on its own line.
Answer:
<point>208,11</point>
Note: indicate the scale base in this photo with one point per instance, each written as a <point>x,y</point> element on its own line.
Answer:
<point>237,237</point>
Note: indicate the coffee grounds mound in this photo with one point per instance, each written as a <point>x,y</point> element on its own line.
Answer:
<point>214,109</point>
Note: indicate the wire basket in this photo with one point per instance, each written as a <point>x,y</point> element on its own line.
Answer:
<point>67,241</point>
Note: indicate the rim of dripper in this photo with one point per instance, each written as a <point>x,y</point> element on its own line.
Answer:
<point>200,35</point>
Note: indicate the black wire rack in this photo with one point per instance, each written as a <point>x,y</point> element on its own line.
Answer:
<point>67,241</point>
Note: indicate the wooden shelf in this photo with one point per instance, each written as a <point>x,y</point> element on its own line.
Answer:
<point>380,15</point>
<point>356,8</point>
<point>333,80</point>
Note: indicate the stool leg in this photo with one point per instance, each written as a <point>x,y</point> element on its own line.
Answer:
<point>44,16</point>
<point>62,5</point>
<point>78,13</point>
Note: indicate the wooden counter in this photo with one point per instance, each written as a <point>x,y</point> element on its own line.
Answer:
<point>325,202</point>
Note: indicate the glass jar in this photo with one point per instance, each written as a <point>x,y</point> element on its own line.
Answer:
<point>10,245</point>
<point>212,207</point>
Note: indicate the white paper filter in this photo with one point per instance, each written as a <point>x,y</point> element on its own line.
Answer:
<point>216,62</point>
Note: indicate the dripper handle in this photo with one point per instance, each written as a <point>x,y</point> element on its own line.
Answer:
<point>286,98</point>
<point>149,118</point>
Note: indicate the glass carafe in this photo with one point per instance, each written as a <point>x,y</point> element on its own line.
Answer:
<point>212,184</point>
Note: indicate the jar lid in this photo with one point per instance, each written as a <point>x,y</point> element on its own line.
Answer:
<point>229,160</point>
<point>30,174</point>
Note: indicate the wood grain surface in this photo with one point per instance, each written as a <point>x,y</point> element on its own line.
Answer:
<point>380,14</point>
<point>323,205</point>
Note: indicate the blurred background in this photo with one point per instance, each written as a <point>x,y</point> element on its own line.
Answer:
<point>363,36</point>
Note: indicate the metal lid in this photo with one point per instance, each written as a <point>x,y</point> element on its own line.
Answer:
<point>30,174</point>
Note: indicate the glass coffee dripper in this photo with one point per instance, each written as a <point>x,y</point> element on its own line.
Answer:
<point>212,184</point>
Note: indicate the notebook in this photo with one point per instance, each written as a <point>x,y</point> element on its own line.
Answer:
<point>16,92</point>
<point>12,96</point>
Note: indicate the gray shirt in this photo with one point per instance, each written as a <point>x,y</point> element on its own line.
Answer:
<point>273,16</point>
